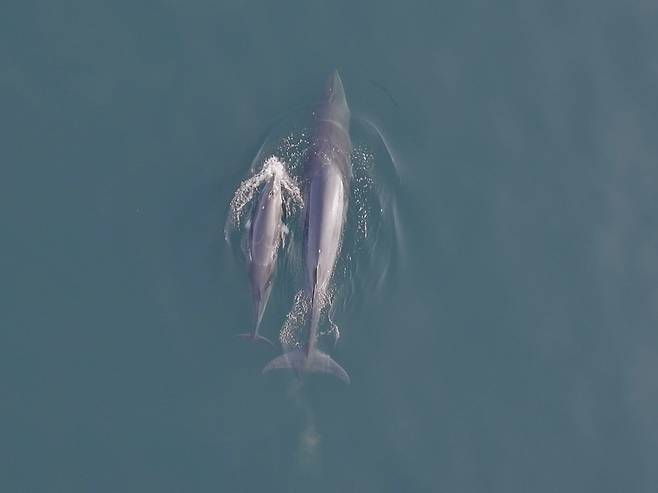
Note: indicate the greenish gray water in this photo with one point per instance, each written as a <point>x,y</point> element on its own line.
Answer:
<point>513,349</point>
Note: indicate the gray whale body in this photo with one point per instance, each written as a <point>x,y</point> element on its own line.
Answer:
<point>264,239</point>
<point>327,174</point>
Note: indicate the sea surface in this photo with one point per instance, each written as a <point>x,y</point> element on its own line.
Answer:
<point>498,314</point>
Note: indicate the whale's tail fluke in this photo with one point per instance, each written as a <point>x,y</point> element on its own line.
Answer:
<point>255,338</point>
<point>315,362</point>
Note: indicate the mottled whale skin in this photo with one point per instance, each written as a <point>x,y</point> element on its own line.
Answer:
<point>327,176</point>
<point>264,240</point>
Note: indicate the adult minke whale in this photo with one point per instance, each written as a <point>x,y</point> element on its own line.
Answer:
<point>327,179</point>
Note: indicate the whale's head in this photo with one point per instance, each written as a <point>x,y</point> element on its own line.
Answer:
<point>334,104</point>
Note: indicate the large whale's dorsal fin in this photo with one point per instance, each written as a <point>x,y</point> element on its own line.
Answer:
<point>315,282</point>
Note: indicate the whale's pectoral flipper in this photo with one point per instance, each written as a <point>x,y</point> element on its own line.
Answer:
<point>315,362</point>
<point>284,234</point>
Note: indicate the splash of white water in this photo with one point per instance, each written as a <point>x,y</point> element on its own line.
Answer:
<point>289,335</point>
<point>273,167</point>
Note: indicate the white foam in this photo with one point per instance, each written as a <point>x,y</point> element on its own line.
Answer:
<point>273,167</point>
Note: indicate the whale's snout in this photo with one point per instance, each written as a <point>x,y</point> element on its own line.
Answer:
<point>334,91</point>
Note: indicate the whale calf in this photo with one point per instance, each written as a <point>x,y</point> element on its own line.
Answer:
<point>327,175</point>
<point>266,236</point>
